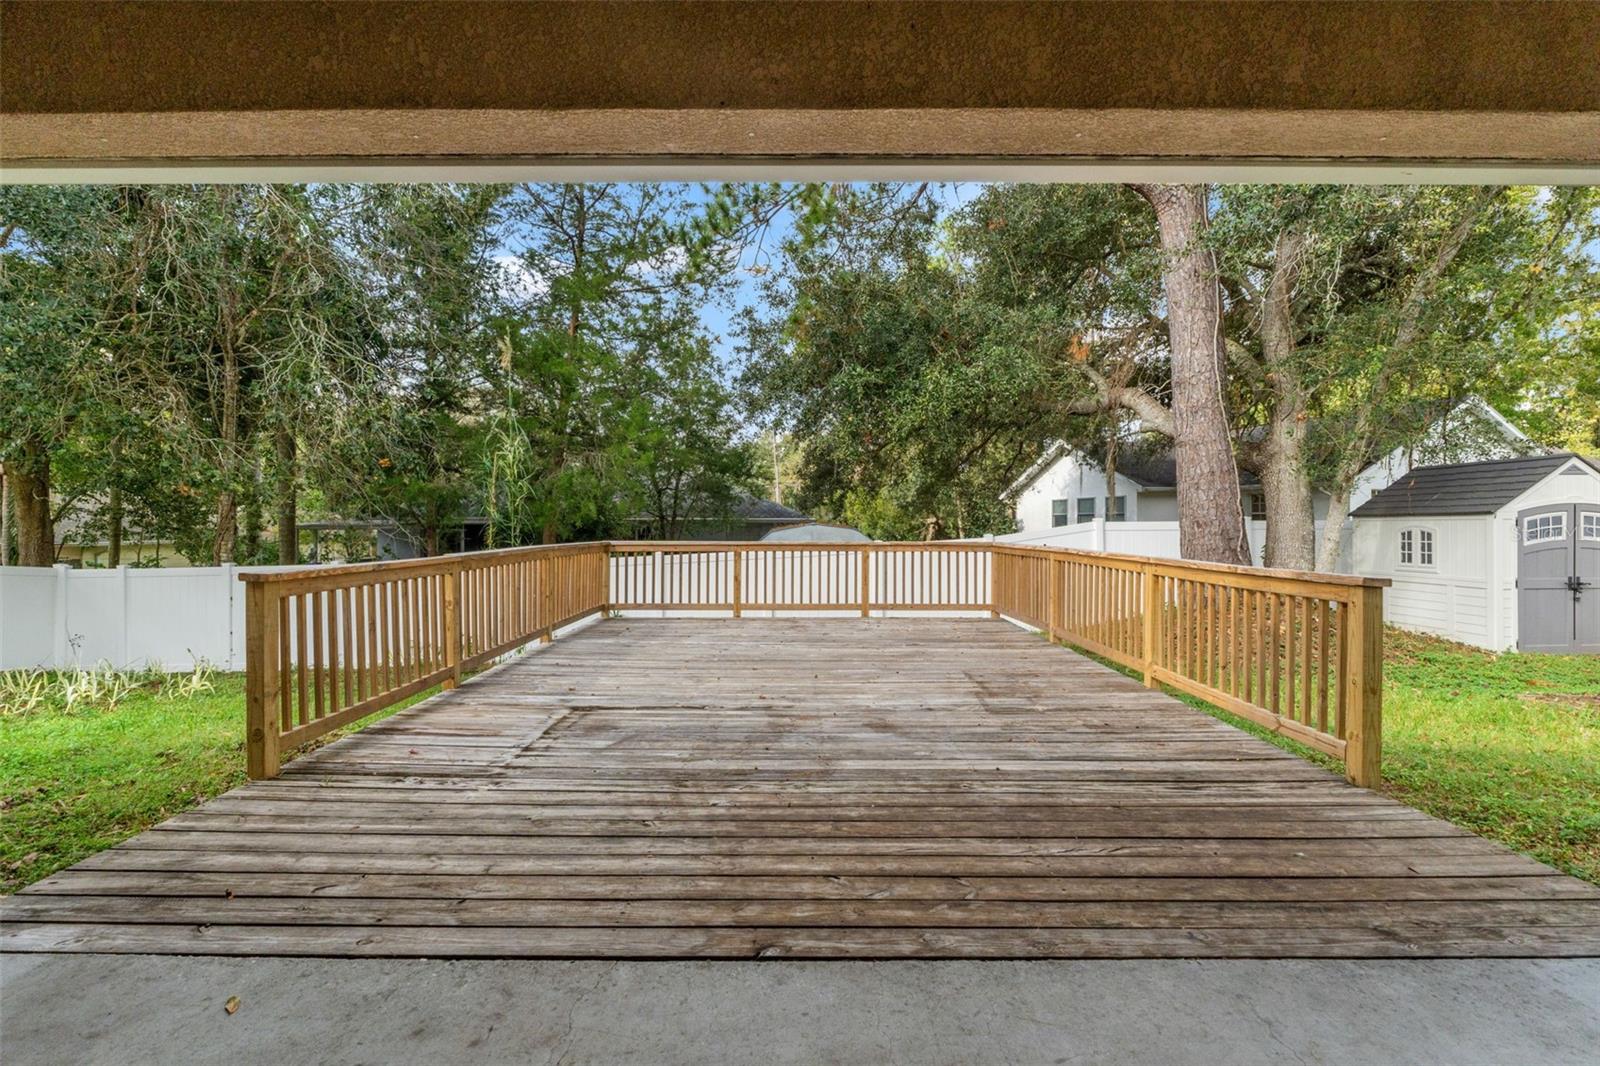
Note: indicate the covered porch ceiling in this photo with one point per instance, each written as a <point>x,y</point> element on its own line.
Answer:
<point>1064,91</point>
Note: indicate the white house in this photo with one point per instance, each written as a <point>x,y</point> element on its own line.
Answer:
<point>1499,554</point>
<point>1068,487</point>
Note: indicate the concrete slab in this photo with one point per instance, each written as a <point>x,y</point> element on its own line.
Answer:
<point>89,1009</point>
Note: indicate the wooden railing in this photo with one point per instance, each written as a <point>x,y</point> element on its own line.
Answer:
<point>329,646</point>
<point>736,577</point>
<point>1298,653</point>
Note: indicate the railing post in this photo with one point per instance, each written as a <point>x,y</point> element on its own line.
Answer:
<point>1364,717</point>
<point>738,581</point>
<point>1148,638</point>
<point>866,583</point>
<point>262,681</point>
<point>452,626</point>
<point>1052,595</point>
<point>994,583</point>
<point>543,564</point>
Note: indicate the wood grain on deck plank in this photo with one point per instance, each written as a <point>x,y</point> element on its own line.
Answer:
<point>805,788</point>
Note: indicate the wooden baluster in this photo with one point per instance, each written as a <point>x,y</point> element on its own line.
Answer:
<point>348,660</point>
<point>300,658</point>
<point>285,662</point>
<point>1150,634</point>
<point>331,606</point>
<point>1307,654</point>
<point>316,650</point>
<point>1324,664</point>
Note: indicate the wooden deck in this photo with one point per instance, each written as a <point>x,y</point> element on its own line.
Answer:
<point>805,788</point>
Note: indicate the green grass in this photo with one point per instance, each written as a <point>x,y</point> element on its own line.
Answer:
<point>1507,746</point>
<point>76,782</point>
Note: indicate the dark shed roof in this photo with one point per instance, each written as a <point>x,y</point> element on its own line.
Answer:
<point>1463,488</point>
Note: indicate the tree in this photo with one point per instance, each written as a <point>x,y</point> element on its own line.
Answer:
<point>1358,317</point>
<point>413,456</point>
<point>601,326</point>
<point>53,294</point>
<point>894,372</point>
<point>1210,516</point>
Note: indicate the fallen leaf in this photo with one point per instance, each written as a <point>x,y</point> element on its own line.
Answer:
<point>232,1004</point>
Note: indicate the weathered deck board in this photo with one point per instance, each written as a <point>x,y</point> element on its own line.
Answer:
<point>805,788</point>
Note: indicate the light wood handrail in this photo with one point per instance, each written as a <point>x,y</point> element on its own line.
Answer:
<point>1298,653</point>
<point>330,646</point>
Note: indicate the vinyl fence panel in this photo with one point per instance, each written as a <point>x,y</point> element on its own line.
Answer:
<point>171,618</point>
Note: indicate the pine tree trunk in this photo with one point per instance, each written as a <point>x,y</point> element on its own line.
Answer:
<point>5,517</point>
<point>287,499</point>
<point>30,496</point>
<point>1291,524</point>
<point>114,508</point>
<point>1210,513</point>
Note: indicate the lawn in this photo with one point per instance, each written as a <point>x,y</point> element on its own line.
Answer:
<point>1507,746</point>
<point>73,782</point>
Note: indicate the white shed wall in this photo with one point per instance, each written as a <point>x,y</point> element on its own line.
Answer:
<point>1452,598</point>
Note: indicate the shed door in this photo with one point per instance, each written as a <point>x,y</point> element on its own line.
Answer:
<point>1558,579</point>
<point>1586,551</point>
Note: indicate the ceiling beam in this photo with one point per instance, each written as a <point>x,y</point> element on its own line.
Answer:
<point>427,87</point>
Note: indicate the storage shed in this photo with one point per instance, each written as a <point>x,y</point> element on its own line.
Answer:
<point>1498,554</point>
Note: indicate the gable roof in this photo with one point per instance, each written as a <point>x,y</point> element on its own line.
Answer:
<point>751,509</point>
<point>1149,462</point>
<point>1464,488</point>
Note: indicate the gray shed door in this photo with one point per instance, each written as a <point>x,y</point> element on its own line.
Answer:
<point>1558,579</point>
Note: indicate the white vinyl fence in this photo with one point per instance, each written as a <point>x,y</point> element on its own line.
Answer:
<point>171,618</point>
<point>1157,540</point>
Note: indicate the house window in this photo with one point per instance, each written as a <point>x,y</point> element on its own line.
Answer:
<point>1591,526</point>
<point>1416,547</point>
<point>1258,507</point>
<point>1059,513</point>
<point>1543,527</point>
<point>1086,508</point>
<point>1116,508</point>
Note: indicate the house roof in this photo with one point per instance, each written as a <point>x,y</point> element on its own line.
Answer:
<point>750,509</point>
<point>1464,488</point>
<point>1149,462</point>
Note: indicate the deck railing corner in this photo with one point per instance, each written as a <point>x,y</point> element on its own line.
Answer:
<point>1298,653</point>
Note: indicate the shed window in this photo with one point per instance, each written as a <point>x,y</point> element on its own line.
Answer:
<point>1552,526</point>
<point>1060,515</point>
<point>1258,507</point>
<point>1416,547</point>
<point>1591,526</point>
<point>1086,508</point>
